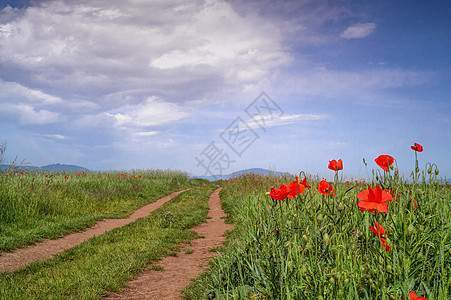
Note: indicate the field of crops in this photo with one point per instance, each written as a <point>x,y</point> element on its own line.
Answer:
<point>310,239</point>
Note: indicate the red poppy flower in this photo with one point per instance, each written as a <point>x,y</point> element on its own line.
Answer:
<point>336,166</point>
<point>417,147</point>
<point>374,199</point>
<point>294,189</point>
<point>291,190</point>
<point>384,161</point>
<point>414,296</point>
<point>325,188</point>
<point>279,194</point>
<point>304,182</point>
<point>380,232</point>
<point>411,203</point>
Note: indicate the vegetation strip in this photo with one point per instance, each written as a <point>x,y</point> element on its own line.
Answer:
<point>46,205</point>
<point>46,249</point>
<point>166,279</point>
<point>318,245</point>
<point>106,263</point>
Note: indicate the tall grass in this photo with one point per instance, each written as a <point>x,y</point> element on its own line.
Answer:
<point>37,205</point>
<point>105,263</point>
<point>320,247</point>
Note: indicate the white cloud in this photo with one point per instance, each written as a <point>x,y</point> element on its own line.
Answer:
<point>124,45</point>
<point>154,112</point>
<point>332,83</point>
<point>28,115</point>
<point>286,119</point>
<point>147,133</point>
<point>358,30</point>
<point>12,90</point>
<point>53,136</point>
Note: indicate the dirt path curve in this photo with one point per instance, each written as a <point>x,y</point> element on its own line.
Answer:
<point>177,272</point>
<point>21,257</point>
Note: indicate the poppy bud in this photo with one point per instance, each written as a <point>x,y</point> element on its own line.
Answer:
<point>410,230</point>
<point>341,206</point>
<point>417,169</point>
<point>305,238</point>
<point>436,171</point>
<point>391,167</point>
<point>326,240</point>
<point>436,182</point>
<point>430,171</point>
<point>389,268</point>
<point>377,177</point>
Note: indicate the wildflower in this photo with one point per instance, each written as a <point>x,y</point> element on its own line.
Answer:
<point>380,232</point>
<point>412,203</point>
<point>290,191</point>
<point>414,296</point>
<point>294,188</point>
<point>384,161</point>
<point>325,188</point>
<point>417,147</point>
<point>279,194</point>
<point>336,166</point>
<point>374,199</point>
<point>304,182</point>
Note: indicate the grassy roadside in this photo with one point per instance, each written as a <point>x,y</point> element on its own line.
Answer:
<point>107,262</point>
<point>39,205</point>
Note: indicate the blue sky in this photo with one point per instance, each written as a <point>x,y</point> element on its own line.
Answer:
<point>129,84</point>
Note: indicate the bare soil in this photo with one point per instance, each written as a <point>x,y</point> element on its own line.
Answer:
<point>179,270</point>
<point>20,258</point>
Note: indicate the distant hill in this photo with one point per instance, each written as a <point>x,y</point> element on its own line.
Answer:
<point>52,168</point>
<point>237,173</point>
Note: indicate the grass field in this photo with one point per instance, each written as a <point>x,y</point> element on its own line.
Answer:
<point>320,246</point>
<point>105,263</point>
<point>293,238</point>
<point>38,205</point>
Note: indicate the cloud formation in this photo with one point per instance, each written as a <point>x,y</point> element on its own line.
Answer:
<point>68,59</point>
<point>358,30</point>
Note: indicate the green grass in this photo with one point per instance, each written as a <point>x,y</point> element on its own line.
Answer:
<point>107,262</point>
<point>38,205</point>
<point>320,247</point>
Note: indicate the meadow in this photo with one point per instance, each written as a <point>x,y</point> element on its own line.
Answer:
<point>293,238</point>
<point>107,262</point>
<point>389,238</point>
<point>39,205</point>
